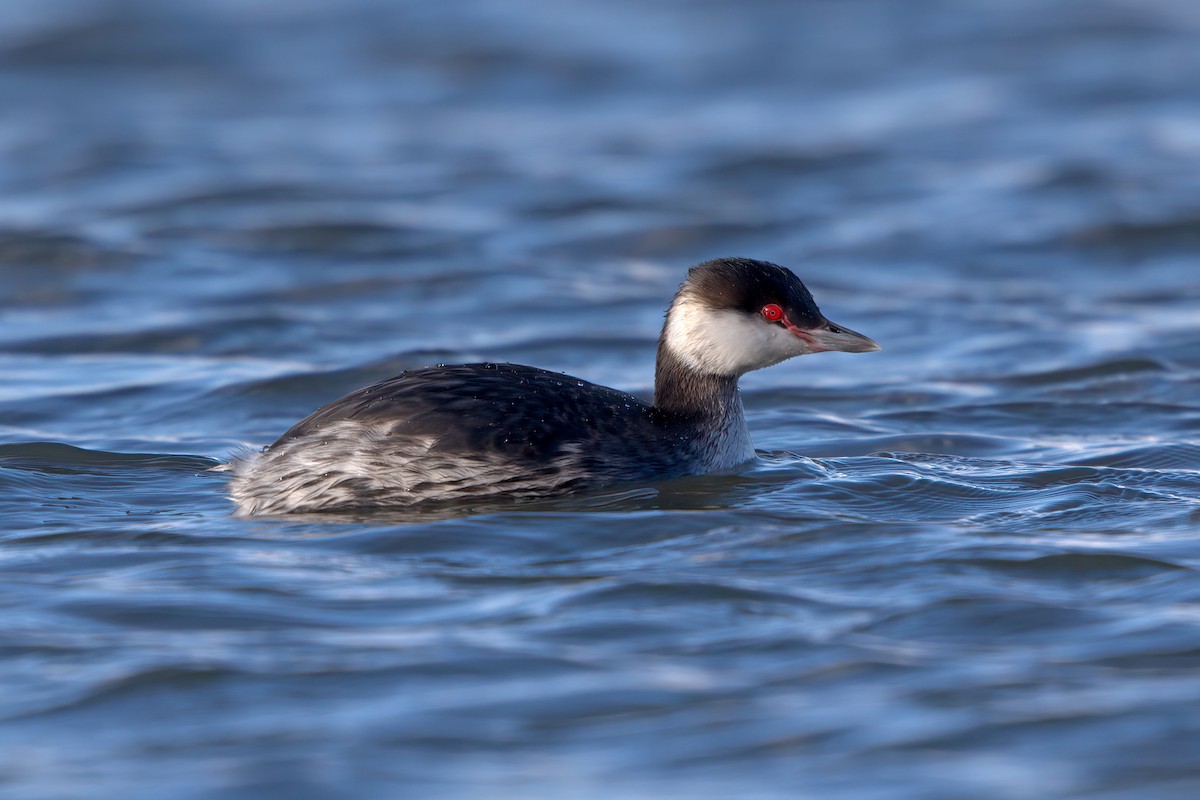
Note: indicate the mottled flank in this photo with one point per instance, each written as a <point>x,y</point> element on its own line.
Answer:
<point>519,432</point>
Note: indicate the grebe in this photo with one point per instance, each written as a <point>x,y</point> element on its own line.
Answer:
<point>477,431</point>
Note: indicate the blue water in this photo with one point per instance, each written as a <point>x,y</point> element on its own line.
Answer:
<point>965,566</point>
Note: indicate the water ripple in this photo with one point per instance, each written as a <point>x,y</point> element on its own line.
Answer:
<point>965,566</point>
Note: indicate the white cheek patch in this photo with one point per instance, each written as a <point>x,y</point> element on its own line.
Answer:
<point>727,342</point>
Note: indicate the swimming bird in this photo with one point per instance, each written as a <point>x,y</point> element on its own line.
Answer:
<point>493,431</point>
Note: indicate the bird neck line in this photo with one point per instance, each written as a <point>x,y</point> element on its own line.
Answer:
<point>680,390</point>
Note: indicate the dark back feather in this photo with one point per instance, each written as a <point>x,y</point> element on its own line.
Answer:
<point>511,410</point>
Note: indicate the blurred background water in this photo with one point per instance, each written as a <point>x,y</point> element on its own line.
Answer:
<point>965,566</point>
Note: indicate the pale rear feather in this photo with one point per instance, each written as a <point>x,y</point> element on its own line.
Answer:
<point>351,462</point>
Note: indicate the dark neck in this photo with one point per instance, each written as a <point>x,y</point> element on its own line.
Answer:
<point>679,390</point>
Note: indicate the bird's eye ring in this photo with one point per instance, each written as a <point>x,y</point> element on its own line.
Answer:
<point>772,312</point>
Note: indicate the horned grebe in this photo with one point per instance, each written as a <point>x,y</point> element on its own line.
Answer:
<point>502,430</point>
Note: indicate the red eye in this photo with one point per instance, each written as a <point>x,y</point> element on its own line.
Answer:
<point>772,312</point>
